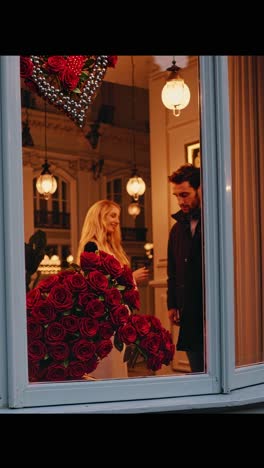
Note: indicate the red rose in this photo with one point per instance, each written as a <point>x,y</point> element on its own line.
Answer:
<point>169,353</point>
<point>55,332</point>
<point>61,298</point>
<point>84,350</point>
<point>105,330</point>
<point>140,323</point>
<point>111,266</point>
<point>26,67</point>
<point>112,60</point>
<point>104,348</point>
<point>91,364</point>
<point>132,298</point>
<point>59,351</point>
<point>95,309</point>
<point>104,255</point>
<point>34,373</point>
<point>127,333</point>
<point>43,311</point>
<point>119,315</point>
<point>97,282</point>
<point>32,298</point>
<point>69,79</point>
<point>88,326</point>
<point>155,323</point>
<point>34,329</point>
<point>76,283</point>
<point>90,261</point>
<point>46,284</point>
<point>151,343</point>
<point>155,362</point>
<point>70,323</point>
<point>36,350</point>
<point>112,297</point>
<point>76,369</point>
<point>55,64</point>
<point>126,277</point>
<point>85,298</point>
<point>56,372</point>
<point>64,274</point>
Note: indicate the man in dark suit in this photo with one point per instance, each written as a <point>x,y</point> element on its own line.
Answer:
<point>185,285</point>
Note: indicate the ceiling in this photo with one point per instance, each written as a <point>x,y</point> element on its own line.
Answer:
<point>143,66</point>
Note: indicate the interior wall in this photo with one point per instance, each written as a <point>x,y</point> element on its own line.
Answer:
<point>70,153</point>
<point>168,137</point>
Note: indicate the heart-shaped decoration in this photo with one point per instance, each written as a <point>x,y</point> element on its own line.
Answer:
<point>70,82</point>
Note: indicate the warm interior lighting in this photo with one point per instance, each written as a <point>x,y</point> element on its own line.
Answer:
<point>133,209</point>
<point>50,265</point>
<point>46,183</point>
<point>70,259</point>
<point>136,185</point>
<point>149,250</point>
<point>175,94</point>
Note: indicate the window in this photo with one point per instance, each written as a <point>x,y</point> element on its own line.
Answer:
<point>55,212</point>
<point>219,291</point>
<point>246,75</point>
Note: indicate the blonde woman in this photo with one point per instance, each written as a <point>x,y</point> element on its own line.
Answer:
<point>101,231</point>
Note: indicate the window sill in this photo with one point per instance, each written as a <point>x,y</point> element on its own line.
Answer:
<point>236,400</point>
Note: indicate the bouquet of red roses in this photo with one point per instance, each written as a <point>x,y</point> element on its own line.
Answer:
<point>145,335</point>
<point>71,317</point>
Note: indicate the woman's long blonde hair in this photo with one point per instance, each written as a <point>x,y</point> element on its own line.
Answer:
<point>94,230</point>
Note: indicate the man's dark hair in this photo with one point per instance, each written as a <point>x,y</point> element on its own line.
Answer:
<point>186,173</point>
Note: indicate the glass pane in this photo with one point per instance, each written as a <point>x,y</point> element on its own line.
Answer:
<point>117,185</point>
<point>76,327</point>
<point>246,74</point>
<point>64,190</point>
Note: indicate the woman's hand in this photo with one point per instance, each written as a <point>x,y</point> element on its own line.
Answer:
<point>141,274</point>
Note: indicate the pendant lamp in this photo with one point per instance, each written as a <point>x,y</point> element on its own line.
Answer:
<point>46,183</point>
<point>175,94</point>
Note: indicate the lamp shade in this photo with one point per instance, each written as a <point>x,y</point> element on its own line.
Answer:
<point>175,95</point>
<point>46,185</point>
<point>135,187</point>
<point>133,209</point>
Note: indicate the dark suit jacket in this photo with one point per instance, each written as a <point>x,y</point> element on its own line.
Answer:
<point>185,288</point>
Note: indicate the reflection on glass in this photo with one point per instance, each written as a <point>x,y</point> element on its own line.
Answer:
<point>246,74</point>
<point>71,324</point>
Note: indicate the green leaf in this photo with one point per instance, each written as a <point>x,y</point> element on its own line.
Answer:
<point>121,288</point>
<point>89,62</point>
<point>67,312</point>
<point>46,357</point>
<point>66,363</point>
<point>76,90</point>
<point>118,344</point>
<point>84,75</point>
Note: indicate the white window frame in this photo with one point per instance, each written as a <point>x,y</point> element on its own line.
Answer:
<point>218,261</point>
